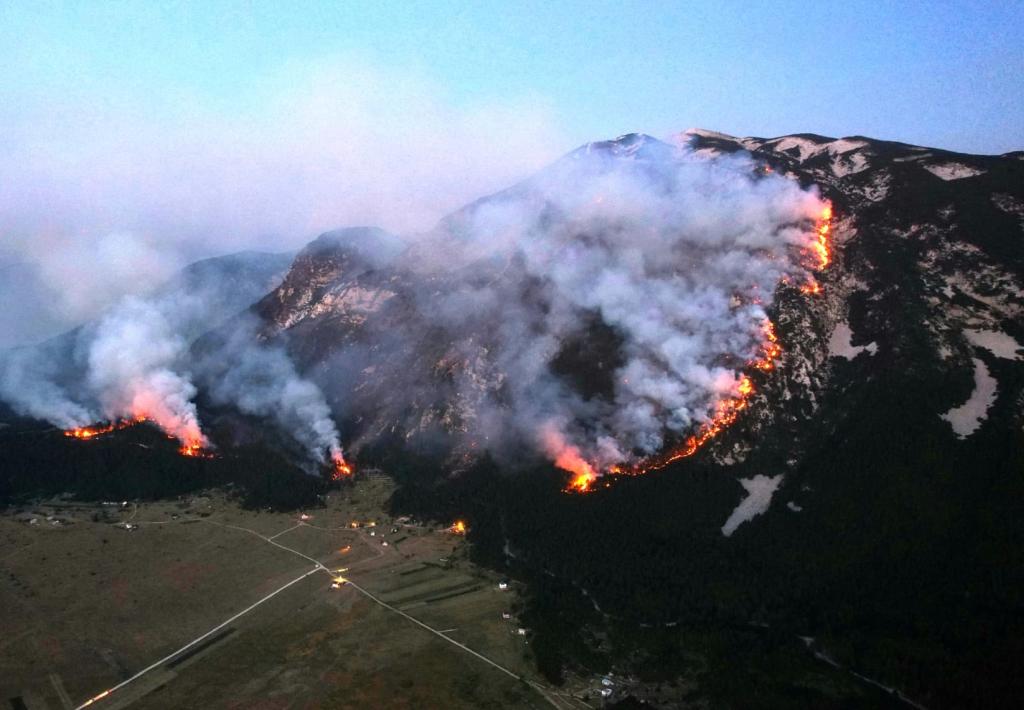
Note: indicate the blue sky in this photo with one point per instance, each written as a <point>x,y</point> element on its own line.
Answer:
<point>138,136</point>
<point>946,74</point>
<point>188,129</point>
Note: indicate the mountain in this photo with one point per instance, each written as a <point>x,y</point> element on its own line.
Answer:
<point>864,509</point>
<point>853,538</point>
<point>35,459</point>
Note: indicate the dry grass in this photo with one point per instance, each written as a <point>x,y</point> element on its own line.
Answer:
<point>93,604</point>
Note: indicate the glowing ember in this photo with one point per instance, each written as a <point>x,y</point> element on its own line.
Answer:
<point>458,528</point>
<point>811,288</point>
<point>93,699</point>
<point>195,449</point>
<point>341,469</point>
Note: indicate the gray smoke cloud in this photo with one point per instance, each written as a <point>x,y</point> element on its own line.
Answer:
<point>107,198</point>
<point>103,195</point>
<point>261,379</point>
<point>29,383</point>
<point>677,257</point>
<point>592,313</point>
<point>136,369</point>
<point>137,360</point>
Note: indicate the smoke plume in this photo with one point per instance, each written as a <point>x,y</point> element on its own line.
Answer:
<point>134,370</point>
<point>260,379</point>
<point>593,314</point>
<point>670,258</point>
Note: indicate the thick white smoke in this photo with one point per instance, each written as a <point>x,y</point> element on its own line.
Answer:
<point>137,361</point>
<point>28,383</point>
<point>679,256</point>
<point>261,380</point>
<point>656,268</point>
<point>135,369</point>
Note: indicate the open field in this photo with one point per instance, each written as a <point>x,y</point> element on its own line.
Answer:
<point>87,603</point>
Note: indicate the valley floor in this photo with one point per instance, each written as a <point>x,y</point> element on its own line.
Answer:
<point>200,603</point>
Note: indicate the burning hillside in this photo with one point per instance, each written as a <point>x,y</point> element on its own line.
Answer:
<point>726,410</point>
<point>91,432</point>
<point>663,264</point>
<point>194,446</point>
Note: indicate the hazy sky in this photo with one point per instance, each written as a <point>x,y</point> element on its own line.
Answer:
<point>946,74</point>
<point>136,136</point>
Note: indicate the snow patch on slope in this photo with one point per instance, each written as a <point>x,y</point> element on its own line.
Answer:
<point>953,171</point>
<point>966,418</point>
<point>996,342</point>
<point>841,343</point>
<point>705,133</point>
<point>843,165</point>
<point>804,148</point>
<point>845,145</point>
<point>760,490</point>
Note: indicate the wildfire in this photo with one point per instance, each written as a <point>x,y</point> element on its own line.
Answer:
<point>811,288</point>
<point>583,474</point>
<point>458,527</point>
<point>770,349</point>
<point>727,410</point>
<point>85,433</point>
<point>821,244</point>
<point>821,250</point>
<point>341,469</point>
<point>194,448</point>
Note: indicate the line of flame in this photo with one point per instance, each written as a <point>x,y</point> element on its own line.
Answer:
<point>193,448</point>
<point>340,468</point>
<point>727,410</point>
<point>92,432</point>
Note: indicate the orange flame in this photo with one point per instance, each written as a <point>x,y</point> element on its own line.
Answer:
<point>341,469</point>
<point>727,410</point>
<point>568,458</point>
<point>92,432</point>
<point>821,246</point>
<point>194,448</point>
<point>583,474</point>
<point>821,249</point>
<point>811,288</point>
<point>458,528</point>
